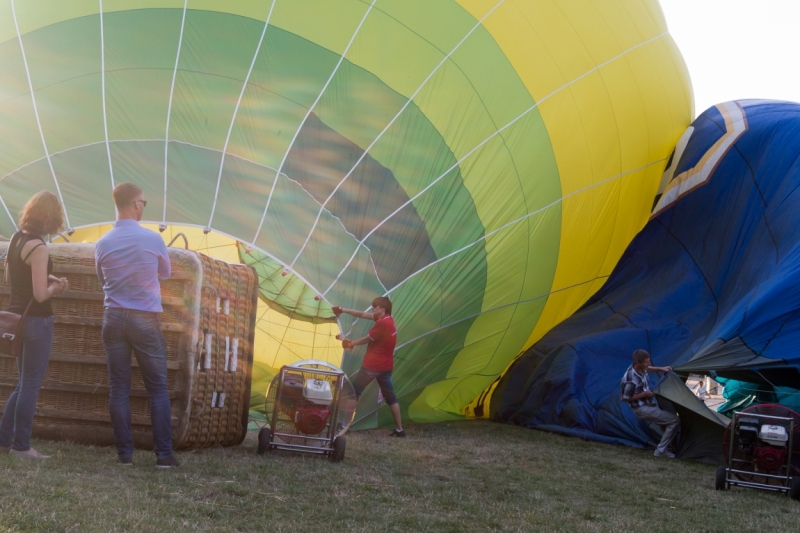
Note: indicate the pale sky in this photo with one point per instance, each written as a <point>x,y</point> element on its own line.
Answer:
<point>738,49</point>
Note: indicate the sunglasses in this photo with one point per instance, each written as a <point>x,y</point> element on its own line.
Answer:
<point>144,203</point>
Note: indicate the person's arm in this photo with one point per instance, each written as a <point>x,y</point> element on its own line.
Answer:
<point>97,267</point>
<point>659,368</point>
<point>643,395</point>
<point>337,310</point>
<point>628,388</point>
<point>349,345</point>
<point>164,265</point>
<point>42,291</point>
<point>375,334</point>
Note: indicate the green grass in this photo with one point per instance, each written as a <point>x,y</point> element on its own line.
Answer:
<point>467,476</point>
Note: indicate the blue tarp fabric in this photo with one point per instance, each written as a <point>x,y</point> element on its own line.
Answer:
<point>710,285</point>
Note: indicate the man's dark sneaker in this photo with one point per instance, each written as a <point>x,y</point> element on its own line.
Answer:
<point>124,461</point>
<point>167,462</point>
<point>397,433</point>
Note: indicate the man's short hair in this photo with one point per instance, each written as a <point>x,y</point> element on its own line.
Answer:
<point>640,355</point>
<point>125,193</point>
<point>384,302</point>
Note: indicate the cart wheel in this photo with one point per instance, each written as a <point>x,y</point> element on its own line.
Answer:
<point>338,449</point>
<point>795,490</point>
<point>722,483</point>
<point>264,437</point>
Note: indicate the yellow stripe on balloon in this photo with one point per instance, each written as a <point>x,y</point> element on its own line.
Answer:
<point>615,96</point>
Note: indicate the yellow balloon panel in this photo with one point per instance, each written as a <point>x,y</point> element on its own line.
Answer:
<point>613,113</point>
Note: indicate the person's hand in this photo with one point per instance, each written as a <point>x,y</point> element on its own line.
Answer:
<point>65,283</point>
<point>58,287</point>
<point>347,344</point>
<point>666,368</point>
<point>649,394</point>
<point>337,310</point>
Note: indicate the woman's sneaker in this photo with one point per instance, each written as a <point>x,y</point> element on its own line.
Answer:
<point>167,462</point>
<point>397,433</point>
<point>124,461</point>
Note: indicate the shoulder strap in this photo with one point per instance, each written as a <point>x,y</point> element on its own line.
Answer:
<point>30,252</point>
<point>27,308</point>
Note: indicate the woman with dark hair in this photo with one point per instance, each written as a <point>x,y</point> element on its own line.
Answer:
<point>32,285</point>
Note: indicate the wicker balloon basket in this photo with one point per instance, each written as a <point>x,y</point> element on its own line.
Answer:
<point>208,323</point>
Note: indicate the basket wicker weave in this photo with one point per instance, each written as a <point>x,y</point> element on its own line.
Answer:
<point>208,323</point>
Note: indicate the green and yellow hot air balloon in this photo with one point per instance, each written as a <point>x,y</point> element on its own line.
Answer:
<point>483,163</point>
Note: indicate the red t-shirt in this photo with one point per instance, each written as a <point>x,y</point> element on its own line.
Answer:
<point>380,348</point>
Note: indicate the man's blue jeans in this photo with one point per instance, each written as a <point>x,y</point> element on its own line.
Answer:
<point>126,330</point>
<point>37,342</point>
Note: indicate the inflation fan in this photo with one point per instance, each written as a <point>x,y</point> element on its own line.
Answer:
<point>760,450</point>
<point>310,405</point>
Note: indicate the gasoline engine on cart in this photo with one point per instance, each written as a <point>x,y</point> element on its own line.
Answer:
<point>310,405</point>
<point>759,450</point>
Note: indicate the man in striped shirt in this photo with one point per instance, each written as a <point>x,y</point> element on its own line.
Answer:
<point>635,388</point>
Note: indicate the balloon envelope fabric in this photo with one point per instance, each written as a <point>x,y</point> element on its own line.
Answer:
<point>484,163</point>
<point>708,286</point>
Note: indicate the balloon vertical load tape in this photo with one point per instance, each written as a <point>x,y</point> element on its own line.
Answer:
<point>221,400</point>
<point>207,362</point>
<point>234,354</point>
<point>213,399</point>
<point>227,307</point>
<point>227,353</point>
<point>217,307</point>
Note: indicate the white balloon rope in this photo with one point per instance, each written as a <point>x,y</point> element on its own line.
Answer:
<point>163,225</point>
<point>38,121</point>
<point>408,102</point>
<point>481,144</point>
<point>300,127</point>
<point>103,91</point>
<point>235,112</point>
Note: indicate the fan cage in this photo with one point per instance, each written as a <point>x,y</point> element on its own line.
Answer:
<point>343,406</point>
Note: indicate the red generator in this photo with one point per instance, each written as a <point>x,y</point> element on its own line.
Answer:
<point>759,448</point>
<point>310,405</point>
